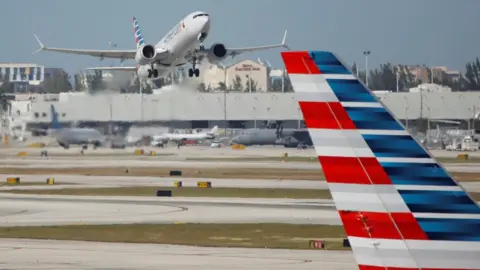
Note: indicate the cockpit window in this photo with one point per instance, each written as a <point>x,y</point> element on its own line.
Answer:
<point>200,15</point>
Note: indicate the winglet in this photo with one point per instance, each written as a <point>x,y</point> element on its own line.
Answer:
<point>284,41</point>
<point>42,47</point>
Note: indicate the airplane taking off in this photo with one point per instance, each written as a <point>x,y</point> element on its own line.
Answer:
<point>400,208</point>
<point>74,136</point>
<point>181,45</point>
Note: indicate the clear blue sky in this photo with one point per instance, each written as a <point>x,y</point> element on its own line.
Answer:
<point>431,32</point>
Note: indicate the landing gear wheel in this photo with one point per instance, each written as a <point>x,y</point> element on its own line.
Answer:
<point>155,73</point>
<point>193,71</point>
<point>150,73</point>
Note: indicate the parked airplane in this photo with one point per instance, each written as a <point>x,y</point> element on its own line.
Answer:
<point>74,136</point>
<point>287,137</point>
<point>182,44</point>
<point>179,138</point>
<point>400,208</point>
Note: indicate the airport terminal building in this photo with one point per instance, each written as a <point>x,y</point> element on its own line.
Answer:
<point>186,109</point>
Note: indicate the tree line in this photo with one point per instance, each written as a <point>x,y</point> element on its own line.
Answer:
<point>385,77</point>
<point>391,77</point>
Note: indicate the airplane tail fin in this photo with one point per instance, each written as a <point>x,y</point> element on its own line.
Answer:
<point>214,130</point>
<point>55,123</point>
<point>137,33</point>
<point>398,205</point>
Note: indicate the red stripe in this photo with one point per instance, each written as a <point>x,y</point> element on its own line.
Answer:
<point>381,225</point>
<point>299,62</point>
<point>369,224</point>
<point>346,170</point>
<point>371,267</point>
<point>326,115</point>
<point>342,115</point>
<point>408,226</point>
<point>349,170</point>
<point>318,115</point>
<point>376,172</point>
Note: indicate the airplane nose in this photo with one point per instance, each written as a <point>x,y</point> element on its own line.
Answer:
<point>206,24</point>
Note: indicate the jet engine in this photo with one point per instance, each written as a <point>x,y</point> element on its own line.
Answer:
<point>217,53</point>
<point>145,55</point>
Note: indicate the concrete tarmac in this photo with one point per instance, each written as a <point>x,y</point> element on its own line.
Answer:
<point>48,254</point>
<point>199,151</point>
<point>125,181</point>
<point>35,210</point>
<point>84,162</point>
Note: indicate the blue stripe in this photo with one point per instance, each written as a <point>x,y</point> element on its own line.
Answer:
<point>428,201</point>
<point>372,118</point>
<point>350,91</point>
<point>451,229</point>
<point>395,146</point>
<point>137,27</point>
<point>327,63</point>
<point>422,174</point>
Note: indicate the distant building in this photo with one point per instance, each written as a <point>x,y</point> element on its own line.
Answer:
<point>213,77</point>
<point>22,75</point>
<point>245,70</point>
<point>426,74</point>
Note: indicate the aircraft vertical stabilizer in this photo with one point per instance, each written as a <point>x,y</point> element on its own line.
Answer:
<point>55,123</point>
<point>399,206</point>
<point>137,33</point>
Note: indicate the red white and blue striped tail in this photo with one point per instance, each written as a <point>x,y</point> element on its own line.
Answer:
<point>399,207</point>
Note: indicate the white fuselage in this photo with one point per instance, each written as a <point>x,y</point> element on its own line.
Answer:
<point>180,41</point>
<point>180,137</point>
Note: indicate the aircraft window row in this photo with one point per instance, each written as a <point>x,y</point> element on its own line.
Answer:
<point>200,15</point>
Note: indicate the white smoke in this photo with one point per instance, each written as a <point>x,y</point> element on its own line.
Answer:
<point>186,83</point>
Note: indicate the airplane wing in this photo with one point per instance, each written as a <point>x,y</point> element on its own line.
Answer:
<point>202,52</point>
<point>114,68</point>
<point>236,51</point>
<point>118,54</point>
<point>398,205</point>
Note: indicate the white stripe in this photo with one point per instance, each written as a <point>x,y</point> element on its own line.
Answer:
<point>407,160</point>
<point>368,198</point>
<point>339,76</point>
<point>431,188</point>
<point>362,104</point>
<point>339,143</point>
<point>416,253</point>
<point>316,96</point>
<point>383,132</point>
<point>448,215</point>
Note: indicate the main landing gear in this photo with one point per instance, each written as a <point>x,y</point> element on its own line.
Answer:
<point>193,71</point>
<point>152,72</point>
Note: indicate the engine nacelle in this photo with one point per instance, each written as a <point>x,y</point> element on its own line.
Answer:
<point>217,53</point>
<point>145,55</point>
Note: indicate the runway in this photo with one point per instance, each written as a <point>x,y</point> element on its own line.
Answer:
<point>124,181</point>
<point>200,151</point>
<point>35,210</point>
<point>47,254</point>
<point>123,162</point>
